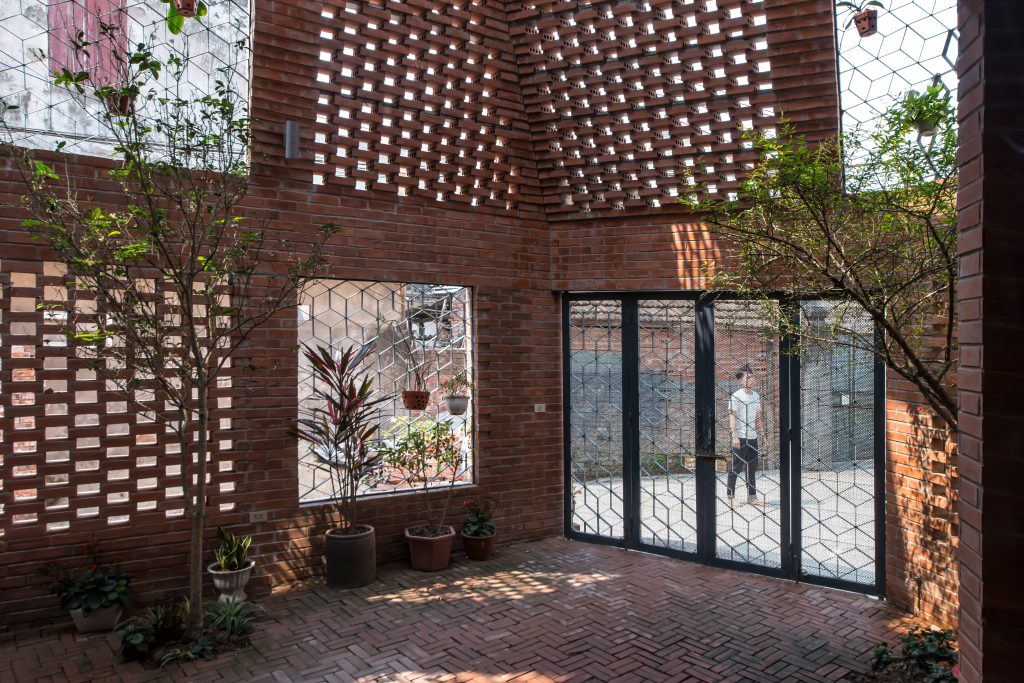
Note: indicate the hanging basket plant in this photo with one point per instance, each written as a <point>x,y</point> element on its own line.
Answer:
<point>119,103</point>
<point>923,112</point>
<point>863,15</point>
<point>180,10</point>
<point>415,399</point>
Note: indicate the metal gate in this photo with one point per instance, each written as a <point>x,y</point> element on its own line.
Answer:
<point>695,429</point>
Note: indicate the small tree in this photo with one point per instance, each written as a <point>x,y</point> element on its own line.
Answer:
<point>869,218</point>
<point>180,270</point>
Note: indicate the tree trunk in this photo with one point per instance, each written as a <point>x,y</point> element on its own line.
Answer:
<point>195,582</point>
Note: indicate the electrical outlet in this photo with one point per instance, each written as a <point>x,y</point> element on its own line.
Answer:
<point>540,407</point>
<point>258,516</point>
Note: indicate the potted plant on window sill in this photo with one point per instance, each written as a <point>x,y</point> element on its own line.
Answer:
<point>863,15</point>
<point>233,567</point>
<point>94,596</point>
<point>456,392</point>
<point>478,531</point>
<point>339,429</point>
<point>428,452</point>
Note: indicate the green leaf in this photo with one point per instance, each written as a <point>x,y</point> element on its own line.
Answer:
<point>175,22</point>
<point>44,171</point>
<point>201,9</point>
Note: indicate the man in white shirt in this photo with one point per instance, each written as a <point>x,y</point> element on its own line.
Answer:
<point>746,421</point>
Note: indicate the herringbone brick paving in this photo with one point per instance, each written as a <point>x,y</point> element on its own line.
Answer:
<point>553,610</point>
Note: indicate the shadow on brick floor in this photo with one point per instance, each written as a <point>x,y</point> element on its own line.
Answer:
<point>549,610</point>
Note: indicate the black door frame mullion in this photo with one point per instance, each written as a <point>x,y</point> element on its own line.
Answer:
<point>704,406</point>
<point>630,422</point>
<point>790,470</point>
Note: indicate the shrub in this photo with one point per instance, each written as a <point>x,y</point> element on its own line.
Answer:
<point>480,520</point>
<point>929,653</point>
<point>91,588</point>
<point>233,619</point>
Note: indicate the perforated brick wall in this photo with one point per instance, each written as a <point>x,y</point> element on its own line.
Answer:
<point>627,99</point>
<point>83,458</point>
<point>421,98</point>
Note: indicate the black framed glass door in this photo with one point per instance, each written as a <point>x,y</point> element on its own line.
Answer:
<point>682,437</point>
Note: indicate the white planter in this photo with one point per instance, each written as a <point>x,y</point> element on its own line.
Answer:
<point>102,619</point>
<point>231,584</point>
<point>457,405</point>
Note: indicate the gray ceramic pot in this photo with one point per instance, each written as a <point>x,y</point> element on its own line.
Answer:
<point>351,558</point>
<point>102,619</point>
<point>456,405</point>
<point>231,584</point>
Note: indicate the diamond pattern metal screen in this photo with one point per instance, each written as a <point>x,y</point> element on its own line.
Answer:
<point>595,418</point>
<point>667,480</point>
<point>35,40</point>
<point>837,445</point>
<point>916,46</point>
<point>413,328</point>
<point>748,523</point>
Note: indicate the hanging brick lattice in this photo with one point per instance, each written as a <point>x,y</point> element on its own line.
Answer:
<point>77,456</point>
<point>628,99</point>
<point>420,98</point>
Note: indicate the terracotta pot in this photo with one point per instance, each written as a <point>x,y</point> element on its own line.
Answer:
<point>103,619</point>
<point>231,584</point>
<point>430,553</point>
<point>415,400</point>
<point>186,8</point>
<point>478,548</point>
<point>456,405</point>
<point>351,558</point>
<point>866,22</point>
<point>120,105</point>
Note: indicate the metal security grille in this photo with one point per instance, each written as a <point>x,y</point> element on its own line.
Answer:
<point>667,478</point>
<point>418,333</point>
<point>695,428</point>
<point>595,438</point>
<point>837,405</point>
<point>748,523</point>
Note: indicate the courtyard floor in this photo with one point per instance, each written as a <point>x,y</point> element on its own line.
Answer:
<point>551,610</point>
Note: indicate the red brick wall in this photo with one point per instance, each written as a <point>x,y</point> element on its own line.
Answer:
<point>920,513</point>
<point>991,500</point>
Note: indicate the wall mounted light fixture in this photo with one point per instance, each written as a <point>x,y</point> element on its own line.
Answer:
<point>291,140</point>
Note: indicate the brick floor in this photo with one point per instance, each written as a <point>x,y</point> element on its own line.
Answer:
<point>554,610</point>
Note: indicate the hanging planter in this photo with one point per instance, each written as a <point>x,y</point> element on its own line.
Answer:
<point>119,103</point>
<point>186,8</point>
<point>456,405</point>
<point>863,15</point>
<point>415,400</point>
<point>456,393</point>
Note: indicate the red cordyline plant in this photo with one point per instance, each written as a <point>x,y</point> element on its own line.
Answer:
<point>342,425</point>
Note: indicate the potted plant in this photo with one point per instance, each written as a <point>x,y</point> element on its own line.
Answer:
<point>95,596</point>
<point>339,430</point>
<point>864,15</point>
<point>478,531</point>
<point>428,452</point>
<point>232,567</point>
<point>924,111</point>
<point>456,392</point>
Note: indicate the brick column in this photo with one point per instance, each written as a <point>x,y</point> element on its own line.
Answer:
<point>991,501</point>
